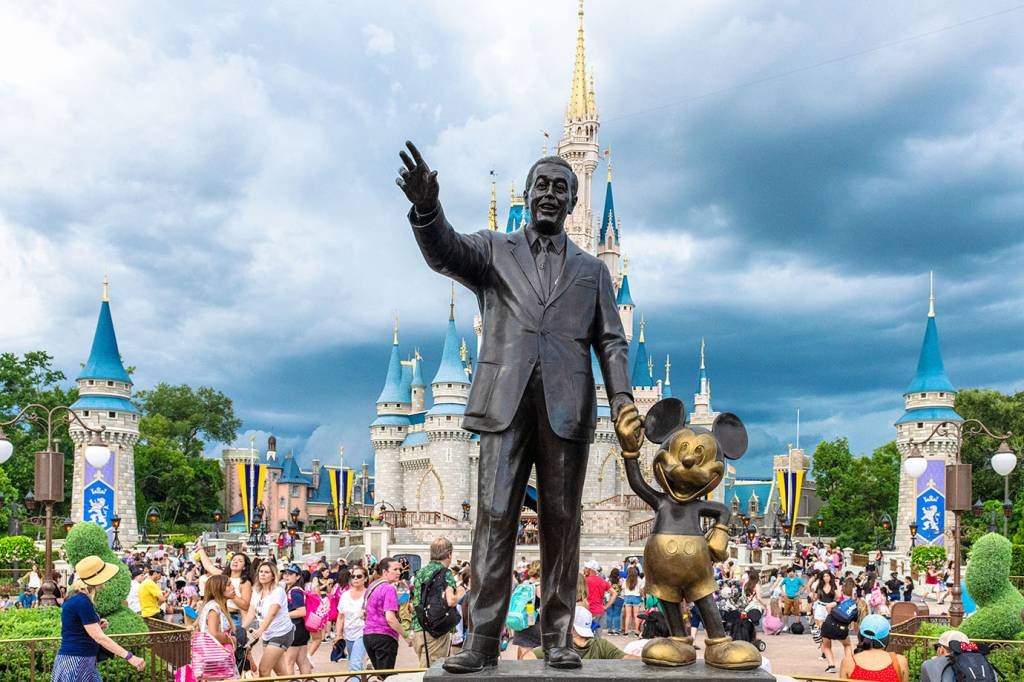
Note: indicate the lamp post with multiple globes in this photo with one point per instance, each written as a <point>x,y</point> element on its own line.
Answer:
<point>49,473</point>
<point>958,485</point>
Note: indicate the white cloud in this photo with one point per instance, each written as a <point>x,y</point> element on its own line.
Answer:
<point>379,40</point>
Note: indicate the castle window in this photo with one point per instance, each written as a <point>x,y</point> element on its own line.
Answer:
<point>735,504</point>
<point>110,383</point>
<point>91,382</point>
<point>923,395</point>
<point>753,506</point>
<point>280,502</point>
<point>112,415</point>
<point>942,395</point>
<point>85,413</point>
<point>294,490</point>
<point>448,418</point>
<point>920,425</point>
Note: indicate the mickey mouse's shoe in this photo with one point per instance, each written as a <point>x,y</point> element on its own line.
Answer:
<point>724,652</point>
<point>669,652</point>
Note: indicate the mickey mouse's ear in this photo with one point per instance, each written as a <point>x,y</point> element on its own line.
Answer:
<point>663,418</point>
<point>730,434</point>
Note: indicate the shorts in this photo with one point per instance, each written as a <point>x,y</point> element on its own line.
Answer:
<point>790,606</point>
<point>631,600</point>
<point>837,632</point>
<point>530,637</point>
<point>301,633</point>
<point>281,641</point>
<point>820,610</point>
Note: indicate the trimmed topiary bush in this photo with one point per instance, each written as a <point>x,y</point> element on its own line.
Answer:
<point>988,581</point>
<point>1017,562</point>
<point>87,539</point>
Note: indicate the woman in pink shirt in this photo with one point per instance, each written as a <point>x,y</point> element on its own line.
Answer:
<point>382,630</point>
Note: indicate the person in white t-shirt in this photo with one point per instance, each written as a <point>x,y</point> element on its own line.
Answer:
<point>269,610</point>
<point>138,575</point>
<point>350,619</point>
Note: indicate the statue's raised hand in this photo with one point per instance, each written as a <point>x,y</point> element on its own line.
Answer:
<point>417,180</point>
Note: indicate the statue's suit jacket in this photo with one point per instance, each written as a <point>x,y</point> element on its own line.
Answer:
<point>521,328</point>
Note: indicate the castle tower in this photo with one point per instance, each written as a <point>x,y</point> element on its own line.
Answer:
<point>624,301</point>
<point>645,389</point>
<point>608,237</point>
<point>928,402</point>
<point>579,144</point>
<point>104,390</point>
<point>419,389</point>
<point>441,481</point>
<point>518,211</point>
<point>492,211</point>
<point>666,386</point>
<point>389,430</point>
<point>702,414</point>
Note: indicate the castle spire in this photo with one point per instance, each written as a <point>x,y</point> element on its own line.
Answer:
<point>642,367</point>
<point>666,386</point>
<point>931,294</point>
<point>492,210</point>
<point>106,289</point>
<point>642,326</point>
<point>451,306</point>
<point>702,352</point>
<point>581,96</point>
<point>451,369</point>
<point>394,338</point>
<point>105,358</point>
<point>931,371</point>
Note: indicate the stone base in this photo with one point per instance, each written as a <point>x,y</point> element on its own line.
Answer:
<point>603,671</point>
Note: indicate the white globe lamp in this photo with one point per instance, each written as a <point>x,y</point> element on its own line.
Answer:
<point>1003,461</point>
<point>915,465</point>
<point>97,453</point>
<point>6,448</point>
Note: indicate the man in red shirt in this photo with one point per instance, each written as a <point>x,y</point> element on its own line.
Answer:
<point>597,588</point>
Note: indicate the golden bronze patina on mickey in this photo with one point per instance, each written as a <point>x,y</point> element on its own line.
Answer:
<point>679,555</point>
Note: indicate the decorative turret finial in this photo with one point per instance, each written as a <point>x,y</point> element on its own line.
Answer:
<point>492,211</point>
<point>591,103</point>
<point>512,192</point>
<point>106,289</point>
<point>702,352</point>
<point>608,158</point>
<point>650,367</point>
<point>463,350</point>
<point>394,339</point>
<point>642,326</point>
<point>931,294</point>
<point>668,369</point>
<point>578,101</point>
<point>416,355</point>
<point>625,266</point>
<point>451,306</point>
<point>544,147</point>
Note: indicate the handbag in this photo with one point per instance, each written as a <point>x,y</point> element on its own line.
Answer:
<point>211,660</point>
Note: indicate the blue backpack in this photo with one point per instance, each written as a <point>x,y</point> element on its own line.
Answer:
<point>520,611</point>
<point>845,612</point>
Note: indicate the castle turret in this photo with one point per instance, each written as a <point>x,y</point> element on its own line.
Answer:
<point>389,429</point>
<point>419,388</point>
<point>579,144</point>
<point>928,402</point>
<point>703,414</point>
<point>518,211</point>
<point>641,367</point>
<point>105,390</point>
<point>608,237</point>
<point>450,384</point>
<point>666,386</point>
<point>624,301</point>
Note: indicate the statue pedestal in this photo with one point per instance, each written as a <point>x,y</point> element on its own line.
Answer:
<point>599,671</point>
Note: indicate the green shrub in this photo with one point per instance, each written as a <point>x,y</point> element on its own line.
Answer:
<point>988,582</point>
<point>922,555</point>
<point>1017,562</point>
<point>18,548</point>
<point>87,539</point>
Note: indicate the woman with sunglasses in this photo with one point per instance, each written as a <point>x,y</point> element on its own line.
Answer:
<point>350,619</point>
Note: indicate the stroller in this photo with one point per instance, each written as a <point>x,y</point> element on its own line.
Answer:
<point>655,625</point>
<point>743,627</point>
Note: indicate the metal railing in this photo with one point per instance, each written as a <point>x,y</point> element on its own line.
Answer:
<point>639,531</point>
<point>633,502</point>
<point>165,647</point>
<point>334,676</point>
<point>404,519</point>
<point>903,637</point>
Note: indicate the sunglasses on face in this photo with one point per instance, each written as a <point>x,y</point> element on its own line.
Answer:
<point>358,576</point>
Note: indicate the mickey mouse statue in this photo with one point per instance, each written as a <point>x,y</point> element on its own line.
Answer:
<point>679,554</point>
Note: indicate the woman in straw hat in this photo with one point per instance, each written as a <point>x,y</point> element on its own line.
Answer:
<point>81,630</point>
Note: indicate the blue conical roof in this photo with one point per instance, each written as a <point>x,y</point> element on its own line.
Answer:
<point>608,218</point>
<point>104,358</point>
<point>931,373</point>
<point>641,373</point>
<point>518,215</point>
<point>451,371</point>
<point>392,391</point>
<point>417,372</point>
<point>624,297</point>
<point>666,390</point>
<point>406,383</point>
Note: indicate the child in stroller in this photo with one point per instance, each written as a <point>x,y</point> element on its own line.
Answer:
<point>743,626</point>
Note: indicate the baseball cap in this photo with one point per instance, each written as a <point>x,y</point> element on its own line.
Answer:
<point>950,636</point>
<point>293,568</point>
<point>592,565</point>
<point>582,621</point>
<point>875,627</point>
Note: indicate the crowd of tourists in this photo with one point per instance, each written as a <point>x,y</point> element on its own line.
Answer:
<point>261,617</point>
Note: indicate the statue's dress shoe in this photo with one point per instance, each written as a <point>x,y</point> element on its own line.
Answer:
<point>724,652</point>
<point>469,661</point>
<point>562,657</point>
<point>669,652</point>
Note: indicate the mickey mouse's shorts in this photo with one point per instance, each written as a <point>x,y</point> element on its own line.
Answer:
<point>678,567</point>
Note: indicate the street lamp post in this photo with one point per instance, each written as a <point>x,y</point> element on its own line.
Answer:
<point>913,535</point>
<point>153,517</point>
<point>819,521</point>
<point>115,523</point>
<point>751,534</point>
<point>890,537</point>
<point>292,531</point>
<point>1004,461</point>
<point>465,510</point>
<point>217,516</point>
<point>49,473</point>
<point>979,510</point>
<point>12,516</point>
<point>958,487</point>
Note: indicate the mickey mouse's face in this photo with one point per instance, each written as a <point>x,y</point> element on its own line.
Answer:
<point>687,466</point>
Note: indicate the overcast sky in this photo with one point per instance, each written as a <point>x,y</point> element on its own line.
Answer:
<point>786,175</point>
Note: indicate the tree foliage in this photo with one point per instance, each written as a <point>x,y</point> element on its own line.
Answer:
<point>25,380</point>
<point>856,491</point>
<point>192,416</point>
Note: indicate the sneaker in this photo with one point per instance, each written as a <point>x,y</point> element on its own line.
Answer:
<point>785,629</point>
<point>821,657</point>
<point>830,669</point>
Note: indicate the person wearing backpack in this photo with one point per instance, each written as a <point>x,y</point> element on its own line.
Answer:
<point>870,660</point>
<point>963,657</point>
<point>434,596</point>
<point>522,613</point>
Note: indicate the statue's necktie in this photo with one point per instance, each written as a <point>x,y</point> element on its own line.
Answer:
<point>545,262</point>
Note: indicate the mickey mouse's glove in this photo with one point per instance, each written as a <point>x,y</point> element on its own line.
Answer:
<point>629,429</point>
<point>718,542</point>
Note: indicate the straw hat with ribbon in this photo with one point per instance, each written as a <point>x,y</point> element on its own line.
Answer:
<point>94,571</point>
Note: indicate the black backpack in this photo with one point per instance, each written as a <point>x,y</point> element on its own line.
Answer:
<point>432,612</point>
<point>969,663</point>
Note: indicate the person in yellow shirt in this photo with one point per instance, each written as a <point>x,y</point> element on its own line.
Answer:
<point>150,594</point>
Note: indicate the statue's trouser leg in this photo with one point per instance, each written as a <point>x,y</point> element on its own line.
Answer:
<point>711,616</point>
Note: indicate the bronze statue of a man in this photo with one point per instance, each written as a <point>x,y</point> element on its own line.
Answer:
<point>545,304</point>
